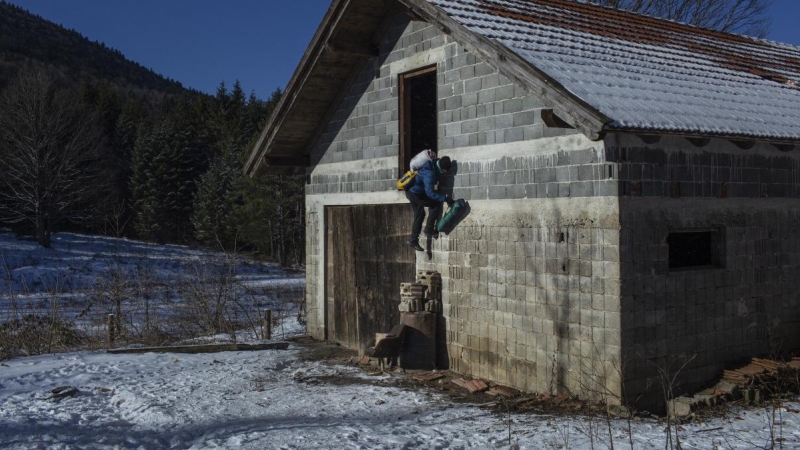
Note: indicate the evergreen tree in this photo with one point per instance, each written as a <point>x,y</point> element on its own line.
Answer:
<point>117,213</point>
<point>211,218</point>
<point>231,137</point>
<point>270,216</point>
<point>168,160</point>
<point>144,183</point>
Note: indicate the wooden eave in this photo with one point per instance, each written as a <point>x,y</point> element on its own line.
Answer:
<point>344,41</point>
<point>341,44</point>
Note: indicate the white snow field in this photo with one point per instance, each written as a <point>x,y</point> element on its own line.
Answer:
<point>273,399</point>
<point>81,278</point>
<point>265,399</point>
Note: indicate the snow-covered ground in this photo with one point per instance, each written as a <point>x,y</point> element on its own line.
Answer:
<point>275,399</point>
<point>264,399</point>
<point>158,287</point>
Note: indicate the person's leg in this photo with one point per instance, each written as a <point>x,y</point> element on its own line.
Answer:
<point>434,214</point>
<point>419,214</point>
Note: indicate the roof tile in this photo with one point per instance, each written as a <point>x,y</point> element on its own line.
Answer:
<point>647,73</point>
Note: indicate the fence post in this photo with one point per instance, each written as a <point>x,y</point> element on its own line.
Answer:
<point>112,329</point>
<point>266,324</point>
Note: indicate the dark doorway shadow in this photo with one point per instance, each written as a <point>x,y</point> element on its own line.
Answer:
<point>442,355</point>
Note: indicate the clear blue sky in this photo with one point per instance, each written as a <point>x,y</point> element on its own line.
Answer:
<point>258,42</point>
<point>198,42</point>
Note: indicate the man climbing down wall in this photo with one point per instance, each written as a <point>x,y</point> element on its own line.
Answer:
<point>421,194</point>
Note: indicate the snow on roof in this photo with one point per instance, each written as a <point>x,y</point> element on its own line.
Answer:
<point>647,73</point>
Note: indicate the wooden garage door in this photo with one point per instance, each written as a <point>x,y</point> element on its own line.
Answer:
<point>366,260</point>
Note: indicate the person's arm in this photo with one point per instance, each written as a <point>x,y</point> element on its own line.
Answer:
<point>429,180</point>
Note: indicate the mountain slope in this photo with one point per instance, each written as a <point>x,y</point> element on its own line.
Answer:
<point>26,38</point>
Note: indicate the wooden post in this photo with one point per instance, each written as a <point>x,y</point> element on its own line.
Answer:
<point>112,329</point>
<point>266,325</point>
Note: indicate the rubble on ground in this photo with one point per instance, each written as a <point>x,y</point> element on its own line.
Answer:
<point>751,383</point>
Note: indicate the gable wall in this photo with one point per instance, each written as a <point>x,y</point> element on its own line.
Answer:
<point>531,276</point>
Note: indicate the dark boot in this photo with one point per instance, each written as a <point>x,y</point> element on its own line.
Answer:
<point>414,243</point>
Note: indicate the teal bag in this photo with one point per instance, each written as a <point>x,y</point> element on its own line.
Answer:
<point>452,217</point>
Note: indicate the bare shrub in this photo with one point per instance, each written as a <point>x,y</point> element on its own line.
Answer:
<point>603,381</point>
<point>34,334</point>
<point>35,324</point>
<point>128,294</point>
<point>147,305</point>
<point>669,370</point>
<point>214,301</point>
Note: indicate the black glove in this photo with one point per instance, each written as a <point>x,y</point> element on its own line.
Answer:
<point>449,200</point>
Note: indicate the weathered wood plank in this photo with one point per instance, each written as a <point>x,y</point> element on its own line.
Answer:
<point>301,74</point>
<point>382,264</point>
<point>330,281</point>
<point>353,48</point>
<point>345,307</point>
<point>339,12</point>
<point>288,161</point>
<point>203,348</point>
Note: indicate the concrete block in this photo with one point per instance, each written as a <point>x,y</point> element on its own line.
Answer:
<point>504,121</point>
<point>453,102</point>
<point>581,189</point>
<point>497,192</point>
<point>486,96</point>
<point>468,126</point>
<point>472,85</point>
<point>531,132</point>
<point>516,191</point>
<point>513,106</point>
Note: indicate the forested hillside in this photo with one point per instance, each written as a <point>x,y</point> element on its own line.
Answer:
<point>93,142</point>
<point>25,37</point>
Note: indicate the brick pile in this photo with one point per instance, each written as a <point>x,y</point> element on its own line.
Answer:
<point>758,370</point>
<point>423,295</point>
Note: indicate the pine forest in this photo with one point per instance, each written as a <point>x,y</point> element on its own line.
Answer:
<point>93,142</point>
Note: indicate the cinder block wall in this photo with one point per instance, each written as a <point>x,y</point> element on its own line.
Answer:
<point>477,106</point>
<point>531,294</point>
<point>717,317</point>
<point>355,158</point>
<point>531,290</point>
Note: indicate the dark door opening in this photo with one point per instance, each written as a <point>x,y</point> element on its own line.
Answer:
<point>418,120</point>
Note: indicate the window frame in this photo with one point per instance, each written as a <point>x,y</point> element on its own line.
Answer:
<point>717,238</point>
<point>404,103</point>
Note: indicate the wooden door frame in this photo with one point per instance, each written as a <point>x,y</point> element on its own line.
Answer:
<point>403,105</point>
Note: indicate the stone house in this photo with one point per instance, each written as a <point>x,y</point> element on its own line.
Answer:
<point>633,185</point>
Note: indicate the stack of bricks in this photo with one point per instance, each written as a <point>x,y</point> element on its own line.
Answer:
<point>411,297</point>
<point>433,289</point>
<point>424,295</point>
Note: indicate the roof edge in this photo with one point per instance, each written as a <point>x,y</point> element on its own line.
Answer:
<point>573,110</point>
<point>705,134</point>
<point>307,62</point>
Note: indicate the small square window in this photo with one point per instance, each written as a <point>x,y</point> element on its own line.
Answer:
<point>694,248</point>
